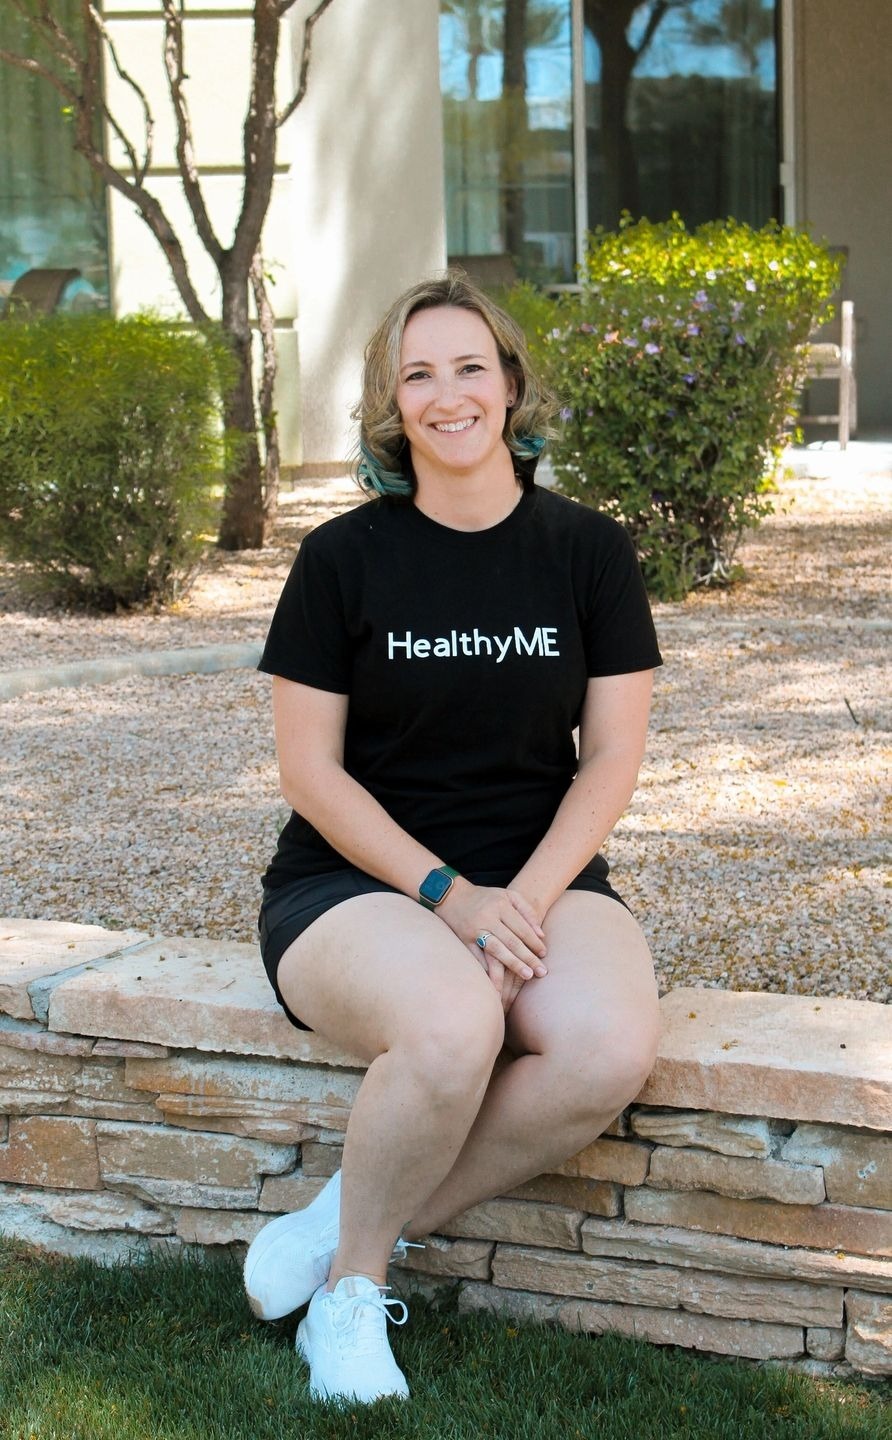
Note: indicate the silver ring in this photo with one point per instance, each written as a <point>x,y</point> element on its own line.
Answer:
<point>482,939</point>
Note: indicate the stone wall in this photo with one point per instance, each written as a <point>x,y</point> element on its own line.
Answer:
<point>152,1094</point>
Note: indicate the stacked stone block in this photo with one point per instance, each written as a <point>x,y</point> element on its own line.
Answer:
<point>153,1095</point>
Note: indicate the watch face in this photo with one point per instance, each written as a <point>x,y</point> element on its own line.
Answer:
<point>435,887</point>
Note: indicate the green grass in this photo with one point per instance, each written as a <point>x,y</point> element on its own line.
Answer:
<point>169,1351</point>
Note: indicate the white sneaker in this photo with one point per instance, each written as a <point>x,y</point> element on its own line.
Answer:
<point>343,1339</point>
<point>291,1256</point>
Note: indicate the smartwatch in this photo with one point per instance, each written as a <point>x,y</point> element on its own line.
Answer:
<point>436,886</point>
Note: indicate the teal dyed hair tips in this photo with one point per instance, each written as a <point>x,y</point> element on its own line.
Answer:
<point>383,482</point>
<point>528,447</point>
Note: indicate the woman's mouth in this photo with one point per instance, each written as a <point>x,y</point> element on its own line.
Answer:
<point>453,427</point>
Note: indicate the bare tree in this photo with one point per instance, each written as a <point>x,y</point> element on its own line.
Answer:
<point>72,61</point>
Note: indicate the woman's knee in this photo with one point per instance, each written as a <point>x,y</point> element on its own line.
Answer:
<point>604,1071</point>
<point>452,1050</point>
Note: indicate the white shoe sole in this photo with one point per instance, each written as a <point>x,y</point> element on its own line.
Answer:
<point>290,1226</point>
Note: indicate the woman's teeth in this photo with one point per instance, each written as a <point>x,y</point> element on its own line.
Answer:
<point>451,428</point>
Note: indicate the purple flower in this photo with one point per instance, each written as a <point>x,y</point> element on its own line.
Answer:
<point>739,339</point>
<point>648,322</point>
<point>566,413</point>
<point>710,274</point>
<point>589,414</point>
<point>701,297</point>
<point>751,286</point>
<point>690,378</point>
<point>692,330</point>
<point>736,309</point>
<point>651,349</point>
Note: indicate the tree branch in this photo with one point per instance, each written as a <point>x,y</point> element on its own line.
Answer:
<point>653,22</point>
<point>304,58</point>
<point>139,171</point>
<point>266,401</point>
<point>34,67</point>
<point>173,61</point>
<point>259,139</point>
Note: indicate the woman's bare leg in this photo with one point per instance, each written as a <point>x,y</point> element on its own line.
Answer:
<point>585,1036</point>
<point>391,983</point>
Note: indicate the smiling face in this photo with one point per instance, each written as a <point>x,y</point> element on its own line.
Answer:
<point>453,393</point>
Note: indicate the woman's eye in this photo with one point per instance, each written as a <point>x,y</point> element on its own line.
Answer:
<point>417,375</point>
<point>471,369</point>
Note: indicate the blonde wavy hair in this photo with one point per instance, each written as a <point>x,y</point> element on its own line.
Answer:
<point>383,466</point>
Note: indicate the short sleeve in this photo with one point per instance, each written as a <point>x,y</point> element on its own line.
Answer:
<point>308,640</point>
<point>618,629</point>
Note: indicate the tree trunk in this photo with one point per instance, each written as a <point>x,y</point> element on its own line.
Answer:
<point>242,525</point>
<point>515,124</point>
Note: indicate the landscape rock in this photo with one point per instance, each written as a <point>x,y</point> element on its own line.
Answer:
<point>519,1221</point>
<point>197,1158</point>
<point>595,1197</point>
<point>743,1135</point>
<point>742,1179</point>
<point>826,1343</point>
<point>837,1227</point>
<point>756,1052</point>
<point>36,950</point>
<point>51,1151</point>
<point>869,1332</point>
<point>857,1163</point>
<point>662,1327</point>
<point>620,1160</point>
<point>467,1259</point>
<point>196,994</point>
<point>625,1282</point>
<point>665,1244</point>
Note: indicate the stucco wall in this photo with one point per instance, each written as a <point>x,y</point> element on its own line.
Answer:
<point>366,150</point>
<point>844,143</point>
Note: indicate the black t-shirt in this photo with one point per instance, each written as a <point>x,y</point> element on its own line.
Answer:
<point>465,656</point>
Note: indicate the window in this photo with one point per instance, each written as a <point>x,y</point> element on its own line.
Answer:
<point>506,75</point>
<point>678,101</point>
<point>681,109</point>
<point>52,206</point>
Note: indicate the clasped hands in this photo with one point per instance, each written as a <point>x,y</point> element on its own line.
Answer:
<point>515,945</point>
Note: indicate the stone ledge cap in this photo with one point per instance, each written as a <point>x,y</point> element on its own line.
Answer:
<point>793,1057</point>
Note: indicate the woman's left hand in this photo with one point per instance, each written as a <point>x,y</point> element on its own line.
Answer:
<point>507,982</point>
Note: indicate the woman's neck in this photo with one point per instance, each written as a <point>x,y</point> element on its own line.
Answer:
<point>472,501</point>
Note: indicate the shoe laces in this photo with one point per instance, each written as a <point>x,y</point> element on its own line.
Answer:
<point>361,1315</point>
<point>401,1246</point>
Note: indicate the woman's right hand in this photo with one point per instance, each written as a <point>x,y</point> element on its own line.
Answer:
<point>514,936</point>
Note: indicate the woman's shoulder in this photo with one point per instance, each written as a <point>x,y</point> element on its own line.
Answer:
<point>577,519</point>
<point>341,532</point>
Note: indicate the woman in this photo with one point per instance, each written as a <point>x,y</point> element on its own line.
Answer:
<point>437,904</point>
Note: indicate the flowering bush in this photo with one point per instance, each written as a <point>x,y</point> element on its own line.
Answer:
<point>677,367</point>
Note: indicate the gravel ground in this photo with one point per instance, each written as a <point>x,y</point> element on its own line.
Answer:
<point>753,852</point>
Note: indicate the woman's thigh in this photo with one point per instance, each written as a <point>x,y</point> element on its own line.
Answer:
<point>376,969</point>
<point>599,995</point>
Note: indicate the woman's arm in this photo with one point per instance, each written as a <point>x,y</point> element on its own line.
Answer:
<point>612,734</point>
<point>310,726</point>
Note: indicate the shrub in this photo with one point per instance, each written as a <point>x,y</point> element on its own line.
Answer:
<point>109,450</point>
<point>677,367</point>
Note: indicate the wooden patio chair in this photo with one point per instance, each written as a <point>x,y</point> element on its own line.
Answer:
<point>39,290</point>
<point>831,356</point>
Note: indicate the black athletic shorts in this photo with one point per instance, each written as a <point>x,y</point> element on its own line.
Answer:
<point>288,910</point>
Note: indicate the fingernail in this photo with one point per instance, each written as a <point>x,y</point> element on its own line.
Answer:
<point>527,973</point>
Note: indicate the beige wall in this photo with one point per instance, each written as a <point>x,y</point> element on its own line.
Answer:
<point>366,149</point>
<point>843,66</point>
